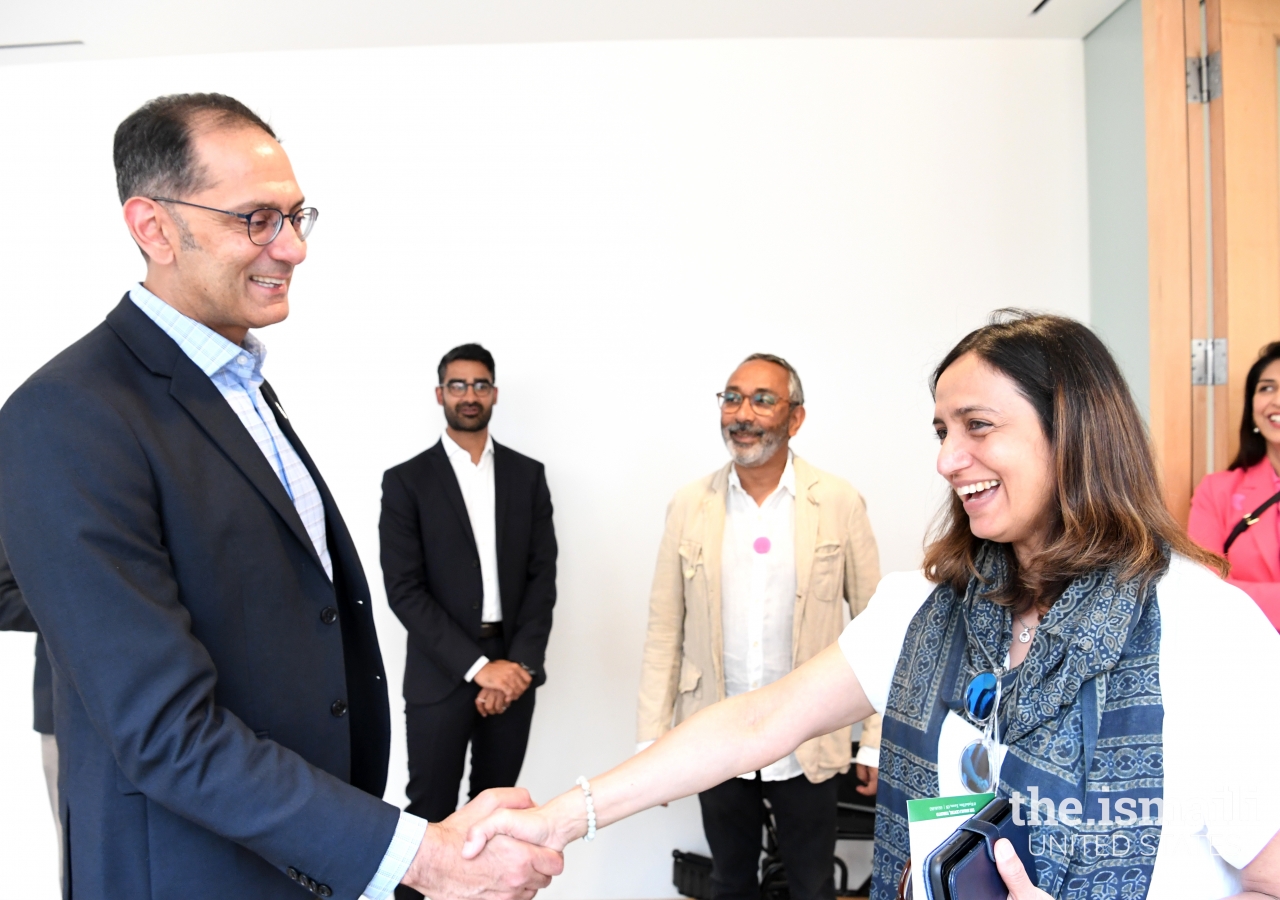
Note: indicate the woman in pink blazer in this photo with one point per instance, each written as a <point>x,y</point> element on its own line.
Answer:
<point>1223,499</point>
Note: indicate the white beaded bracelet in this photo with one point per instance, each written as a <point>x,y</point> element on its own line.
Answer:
<point>591,807</point>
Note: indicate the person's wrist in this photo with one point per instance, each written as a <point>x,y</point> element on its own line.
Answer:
<point>568,815</point>
<point>424,860</point>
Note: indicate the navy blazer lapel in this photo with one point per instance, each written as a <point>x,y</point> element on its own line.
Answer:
<point>335,528</point>
<point>206,405</point>
<point>444,471</point>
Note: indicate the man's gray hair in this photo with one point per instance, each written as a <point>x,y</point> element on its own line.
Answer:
<point>794,387</point>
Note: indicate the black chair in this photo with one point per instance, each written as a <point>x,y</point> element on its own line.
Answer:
<point>855,821</point>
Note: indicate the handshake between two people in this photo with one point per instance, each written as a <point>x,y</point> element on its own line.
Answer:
<point>501,847</point>
<point>502,683</point>
<point>497,847</point>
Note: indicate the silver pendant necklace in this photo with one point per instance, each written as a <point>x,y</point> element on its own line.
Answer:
<point>1025,634</point>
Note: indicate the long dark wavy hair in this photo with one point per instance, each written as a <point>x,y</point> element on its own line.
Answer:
<point>1109,511</point>
<point>1252,445</point>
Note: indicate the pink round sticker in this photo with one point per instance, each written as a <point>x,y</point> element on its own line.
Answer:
<point>762,545</point>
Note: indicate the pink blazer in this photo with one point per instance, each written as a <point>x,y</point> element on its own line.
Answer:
<point>1222,500</point>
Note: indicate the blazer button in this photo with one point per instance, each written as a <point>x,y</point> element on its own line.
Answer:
<point>324,890</point>
<point>475,563</point>
<point>328,615</point>
<point>339,708</point>
<point>292,873</point>
<point>310,883</point>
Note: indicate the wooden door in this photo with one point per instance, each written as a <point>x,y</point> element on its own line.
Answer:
<point>1245,147</point>
<point>1213,187</point>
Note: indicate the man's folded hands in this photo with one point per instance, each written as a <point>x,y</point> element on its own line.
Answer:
<point>501,868</point>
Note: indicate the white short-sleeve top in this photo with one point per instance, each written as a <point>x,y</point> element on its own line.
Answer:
<point>1219,679</point>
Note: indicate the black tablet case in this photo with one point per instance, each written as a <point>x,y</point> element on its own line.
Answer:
<point>963,867</point>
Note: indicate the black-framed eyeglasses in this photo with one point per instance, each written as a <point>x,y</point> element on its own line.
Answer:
<point>264,224</point>
<point>763,402</point>
<point>458,388</point>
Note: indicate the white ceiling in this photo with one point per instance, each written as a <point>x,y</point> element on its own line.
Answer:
<point>133,28</point>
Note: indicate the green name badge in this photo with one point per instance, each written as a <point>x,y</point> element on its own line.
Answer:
<point>930,822</point>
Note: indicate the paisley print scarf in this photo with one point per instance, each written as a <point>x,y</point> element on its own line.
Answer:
<point>1082,718</point>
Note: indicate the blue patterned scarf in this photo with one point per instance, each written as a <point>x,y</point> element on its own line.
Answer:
<point>1082,718</point>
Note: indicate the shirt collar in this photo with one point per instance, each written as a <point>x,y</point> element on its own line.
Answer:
<point>210,351</point>
<point>452,449</point>
<point>787,481</point>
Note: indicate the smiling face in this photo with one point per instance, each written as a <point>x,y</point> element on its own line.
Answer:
<point>1266,404</point>
<point>470,412</point>
<point>995,455</point>
<point>201,262</point>
<point>751,436</point>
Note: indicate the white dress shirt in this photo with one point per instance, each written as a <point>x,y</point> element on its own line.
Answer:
<point>758,594</point>
<point>476,483</point>
<point>236,371</point>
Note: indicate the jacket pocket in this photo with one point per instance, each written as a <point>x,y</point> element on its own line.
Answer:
<point>690,559</point>
<point>826,577</point>
<point>690,678</point>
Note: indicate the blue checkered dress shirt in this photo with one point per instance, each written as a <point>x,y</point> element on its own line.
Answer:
<point>237,373</point>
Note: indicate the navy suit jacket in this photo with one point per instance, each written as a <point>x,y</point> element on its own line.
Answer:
<point>432,569</point>
<point>218,725</point>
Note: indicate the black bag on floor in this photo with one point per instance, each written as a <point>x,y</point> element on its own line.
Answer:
<point>691,874</point>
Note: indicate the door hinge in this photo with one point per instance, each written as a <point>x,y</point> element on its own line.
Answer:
<point>1209,361</point>
<point>1204,78</point>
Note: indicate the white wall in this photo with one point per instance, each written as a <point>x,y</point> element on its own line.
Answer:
<point>1115,107</point>
<point>620,223</point>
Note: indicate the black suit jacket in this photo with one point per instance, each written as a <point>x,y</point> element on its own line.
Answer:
<point>14,616</point>
<point>432,570</point>
<point>184,608</point>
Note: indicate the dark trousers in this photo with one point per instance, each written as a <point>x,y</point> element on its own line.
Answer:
<point>438,734</point>
<point>805,813</point>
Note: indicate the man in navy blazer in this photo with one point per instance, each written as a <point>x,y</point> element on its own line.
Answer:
<point>222,707</point>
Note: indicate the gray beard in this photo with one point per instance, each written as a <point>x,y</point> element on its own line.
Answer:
<point>769,444</point>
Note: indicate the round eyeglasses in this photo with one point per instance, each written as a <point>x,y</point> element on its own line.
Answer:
<point>264,224</point>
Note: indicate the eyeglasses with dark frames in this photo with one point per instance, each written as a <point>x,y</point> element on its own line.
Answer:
<point>264,224</point>
<point>458,388</point>
<point>763,402</point>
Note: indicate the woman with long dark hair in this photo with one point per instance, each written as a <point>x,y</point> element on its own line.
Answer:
<point>1057,575</point>
<point>1225,515</point>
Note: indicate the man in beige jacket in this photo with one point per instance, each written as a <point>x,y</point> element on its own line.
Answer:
<point>756,564</point>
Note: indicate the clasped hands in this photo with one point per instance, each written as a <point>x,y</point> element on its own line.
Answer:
<point>501,684</point>
<point>497,847</point>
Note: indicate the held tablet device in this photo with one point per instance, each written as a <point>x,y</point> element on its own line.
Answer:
<point>963,867</point>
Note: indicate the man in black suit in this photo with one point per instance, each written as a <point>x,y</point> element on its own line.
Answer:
<point>469,560</point>
<point>221,705</point>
